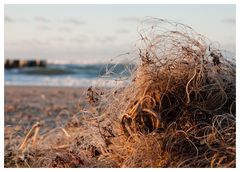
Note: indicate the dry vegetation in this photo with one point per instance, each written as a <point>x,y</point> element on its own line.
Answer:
<point>177,110</point>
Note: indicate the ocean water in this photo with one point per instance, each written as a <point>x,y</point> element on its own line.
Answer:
<point>69,75</point>
<point>77,74</point>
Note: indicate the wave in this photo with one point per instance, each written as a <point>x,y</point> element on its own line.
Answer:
<point>82,75</point>
<point>64,82</point>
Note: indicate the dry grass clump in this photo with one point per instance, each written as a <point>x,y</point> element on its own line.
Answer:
<point>178,110</point>
<point>181,102</point>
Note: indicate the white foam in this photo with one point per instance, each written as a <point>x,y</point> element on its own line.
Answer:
<point>83,61</point>
<point>68,81</point>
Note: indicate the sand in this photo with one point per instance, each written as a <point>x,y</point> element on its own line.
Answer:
<point>26,105</point>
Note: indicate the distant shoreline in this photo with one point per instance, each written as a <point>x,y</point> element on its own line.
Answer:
<point>68,75</point>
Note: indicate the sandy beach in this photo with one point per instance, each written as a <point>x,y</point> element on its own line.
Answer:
<point>26,105</point>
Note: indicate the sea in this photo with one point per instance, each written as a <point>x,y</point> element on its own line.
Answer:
<point>77,74</point>
<point>70,75</point>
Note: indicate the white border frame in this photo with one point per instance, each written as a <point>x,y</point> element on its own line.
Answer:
<point>3,2</point>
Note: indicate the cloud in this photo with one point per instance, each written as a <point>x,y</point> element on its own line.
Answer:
<point>8,19</point>
<point>43,27</point>
<point>41,19</point>
<point>106,39</point>
<point>29,43</point>
<point>11,20</point>
<point>23,20</point>
<point>64,29</point>
<point>58,39</point>
<point>10,44</point>
<point>73,21</point>
<point>80,39</point>
<point>130,19</point>
<point>229,20</point>
<point>123,31</point>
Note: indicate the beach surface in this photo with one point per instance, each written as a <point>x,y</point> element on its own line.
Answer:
<point>51,106</point>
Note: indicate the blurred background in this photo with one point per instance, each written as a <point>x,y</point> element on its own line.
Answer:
<point>75,42</point>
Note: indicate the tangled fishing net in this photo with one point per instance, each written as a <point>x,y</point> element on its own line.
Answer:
<point>177,109</point>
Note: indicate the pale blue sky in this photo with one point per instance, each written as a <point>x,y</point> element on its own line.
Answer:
<point>100,32</point>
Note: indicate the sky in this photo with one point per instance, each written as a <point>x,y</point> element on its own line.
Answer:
<point>96,33</point>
